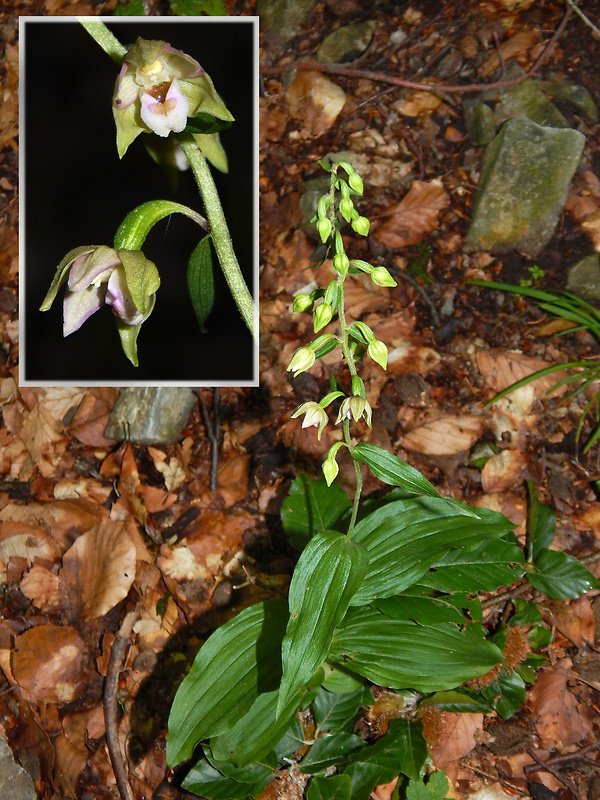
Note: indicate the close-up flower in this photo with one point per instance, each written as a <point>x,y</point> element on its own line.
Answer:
<point>95,276</point>
<point>314,415</point>
<point>158,88</point>
<point>355,407</point>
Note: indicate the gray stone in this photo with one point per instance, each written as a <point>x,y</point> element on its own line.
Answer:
<point>527,100</point>
<point>572,93</point>
<point>480,121</point>
<point>284,17</point>
<point>523,186</point>
<point>583,278</point>
<point>346,43</point>
<point>150,415</point>
<point>15,782</point>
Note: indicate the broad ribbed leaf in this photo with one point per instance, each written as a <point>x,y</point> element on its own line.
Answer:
<point>406,537</point>
<point>206,781</point>
<point>484,569</point>
<point>336,712</point>
<point>424,610</point>
<point>541,524</point>
<point>237,662</point>
<point>311,506</point>
<point>457,701</point>
<point>405,655</point>
<point>391,470</point>
<point>330,750</point>
<point>256,733</point>
<point>328,573</point>
<point>560,576</point>
<point>201,281</point>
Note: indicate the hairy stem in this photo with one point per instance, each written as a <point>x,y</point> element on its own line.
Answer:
<point>107,41</point>
<point>220,232</point>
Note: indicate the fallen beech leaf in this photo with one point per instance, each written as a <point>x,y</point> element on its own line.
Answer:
<point>173,472</point>
<point>315,101</point>
<point>414,217</point>
<point>71,759</point>
<point>591,226</point>
<point>457,738</point>
<point>516,47</point>
<point>575,620</point>
<point>97,572</point>
<point>47,662</point>
<point>503,471</point>
<point>559,721</point>
<point>41,586</point>
<point>500,369</point>
<point>584,196</point>
<point>418,103</point>
<point>232,478</point>
<point>445,436</point>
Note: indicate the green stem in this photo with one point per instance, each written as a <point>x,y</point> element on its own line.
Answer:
<point>219,231</point>
<point>107,41</point>
<point>355,505</point>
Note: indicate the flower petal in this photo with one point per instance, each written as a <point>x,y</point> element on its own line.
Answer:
<point>118,296</point>
<point>126,89</point>
<point>171,115</point>
<point>179,64</point>
<point>79,306</point>
<point>89,268</point>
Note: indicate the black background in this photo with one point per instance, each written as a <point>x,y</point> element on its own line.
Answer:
<point>77,192</point>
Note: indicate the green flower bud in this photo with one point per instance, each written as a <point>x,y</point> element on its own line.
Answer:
<point>324,229</point>
<point>355,182</point>
<point>330,470</point>
<point>346,208</point>
<point>378,352</point>
<point>302,302</point>
<point>381,277</point>
<point>302,360</point>
<point>361,226</point>
<point>322,316</point>
<point>341,264</point>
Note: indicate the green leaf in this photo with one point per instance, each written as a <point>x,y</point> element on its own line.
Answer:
<point>328,751</point>
<point>201,281</point>
<point>335,787</point>
<point>484,569</point>
<point>424,610</point>
<point>405,538</point>
<point>435,788</point>
<point>390,469</point>
<point>457,701</point>
<point>198,8</point>
<point>133,9</point>
<point>403,750</point>
<point>403,655</point>
<point>340,680</point>
<point>238,661</point>
<point>365,777</point>
<point>512,693</point>
<point>205,123</point>
<point>256,733</point>
<point>206,781</point>
<point>336,712</point>
<point>328,573</point>
<point>560,576</point>
<point>541,524</point>
<point>311,506</point>
<point>136,226</point>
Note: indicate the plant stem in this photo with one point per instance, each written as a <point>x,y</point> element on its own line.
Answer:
<point>357,494</point>
<point>107,41</point>
<point>219,231</point>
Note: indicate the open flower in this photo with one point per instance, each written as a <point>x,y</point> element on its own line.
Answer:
<point>355,407</point>
<point>314,415</point>
<point>97,275</point>
<point>158,88</point>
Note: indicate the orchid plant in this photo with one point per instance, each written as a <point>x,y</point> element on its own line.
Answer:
<point>383,602</point>
<point>165,94</point>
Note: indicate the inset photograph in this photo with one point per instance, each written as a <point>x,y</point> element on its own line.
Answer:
<point>139,190</point>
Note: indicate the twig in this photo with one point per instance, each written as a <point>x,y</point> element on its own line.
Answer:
<point>579,755</point>
<point>421,291</point>
<point>212,432</point>
<point>495,778</point>
<point>252,580</point>
<point>499,599</point>
<point>109,701</point>
<point>544,765</point>
<point>582,16</point>
<point>442,90</point>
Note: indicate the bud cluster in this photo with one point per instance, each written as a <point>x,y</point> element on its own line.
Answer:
<point>356,339</point>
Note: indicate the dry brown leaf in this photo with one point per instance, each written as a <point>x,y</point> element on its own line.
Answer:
<point>97,571</point>
<point>414,217</point>
<point>457,738</point>
<point>71,759</point>
<point>517,47</point>
<point>574,620</point>
<point>173,471</point>
<point>591,226</point>
<point>501,368</point>
<point>418,103</point>
<point>584,196</point>
<point>90,419</point>
<point>47,662</point>
<point>315,101</point>
<point>559,722</point>
<point>503,471</point>
<point>272,122</point>
<point>232,478</point>
<point>41,586</point>
<point>446,435</point>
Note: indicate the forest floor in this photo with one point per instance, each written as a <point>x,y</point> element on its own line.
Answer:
<point>91,528</point>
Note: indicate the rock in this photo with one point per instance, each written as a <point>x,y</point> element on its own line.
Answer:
<point>284,17</point>
<point>346,43</point>
<point>583,278</point>
<point>527,100</point>
<point>450,64</point>
<point>150,415</point>
<point>15,782</point>
<point>572,93</point>
<point>523,186</point>
<point>480,121</point>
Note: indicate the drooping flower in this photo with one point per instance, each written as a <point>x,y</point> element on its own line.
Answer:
<point>158,88</point>
<point>314,415</point>
<point>97,275</point>
<point>355,407</point>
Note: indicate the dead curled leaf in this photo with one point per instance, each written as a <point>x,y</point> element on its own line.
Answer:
<point>97,571</point>
<point>445,435</point>
<point>414,217</point>
<point>457,738</point>
<point>503,471</point>
<point>559,719</point>
<point>315,101</point>
<point>500,369</point>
